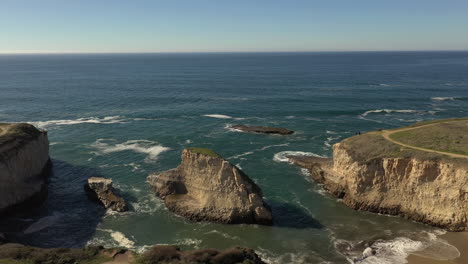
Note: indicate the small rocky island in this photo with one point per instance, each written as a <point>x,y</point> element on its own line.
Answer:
<point>24,164</point>
<point>263,130</point>
<point>206,187</point>
<point>101,190</point>
<point>419,172</point>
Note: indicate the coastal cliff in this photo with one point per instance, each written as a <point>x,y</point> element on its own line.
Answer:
<point>206,187</point>
<point>374,174</point>
<point>24,160</point>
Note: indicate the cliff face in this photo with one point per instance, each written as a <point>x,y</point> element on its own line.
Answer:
<point>24,157</point>
<point>205,187</point>
<point>432,191</point>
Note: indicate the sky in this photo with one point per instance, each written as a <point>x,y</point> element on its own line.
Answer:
<point>88,26</point>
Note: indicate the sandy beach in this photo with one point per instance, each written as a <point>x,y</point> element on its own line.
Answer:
<point>433,255</point>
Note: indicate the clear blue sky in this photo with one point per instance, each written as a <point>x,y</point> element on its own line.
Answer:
<point>50,26</point>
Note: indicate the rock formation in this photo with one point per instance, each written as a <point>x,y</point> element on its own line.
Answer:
<point>373,174</point>
<point>173,255</point>
<point>24,164</point>
<point>16,253</point>
<point>263,130</point>
<point>206,187</point>
<point>100,189</point>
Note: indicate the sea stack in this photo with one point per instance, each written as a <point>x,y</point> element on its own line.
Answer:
<point>418,172</point>
<point>206,187</point>
<point>24,164</point>
<point>101,190</point>
<point>263,130</point>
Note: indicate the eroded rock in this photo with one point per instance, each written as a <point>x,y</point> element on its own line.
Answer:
<point>24,167</point>
<point>206,187</point>
<point>173,255</point>
<point>101,189</point>
<point>263,130</point>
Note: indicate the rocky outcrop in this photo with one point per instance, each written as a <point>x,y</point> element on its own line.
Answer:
<point>101,189</point>
<point>263,130</point>
<point>173,255</point>
<point>24,164</point>
<point>16,253</point>
<point>384,178</point>
<point>206,187</point>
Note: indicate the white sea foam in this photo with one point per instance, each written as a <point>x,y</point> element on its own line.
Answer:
<point>219,116</point>
<point>86,120</point>
<point>225,235</point>
<point>119,238</point>
<point>283,155</point>
<point>389,111</point>
<point>151,148</point>
<point>192,242</point>
<point>255,150</point>
<point>329,140</point>
<point>43,223</point>
<point>393,251</point>
<point>443,98</point>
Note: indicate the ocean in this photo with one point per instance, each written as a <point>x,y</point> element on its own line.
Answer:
<point>123,116</point>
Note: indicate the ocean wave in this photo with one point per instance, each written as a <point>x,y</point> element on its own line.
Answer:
<point>219,116</point>
<point>256,150</point>
<point>283,155</point>
<point>396,250</point>
<point>86,120</point>
<point>402,111</point>
<point>443,98</point>
<point>327,142</point>
<point>225,235</point>
<point>119,238</point>
<point>43,223</point>
<point>192,242</point>
<point>151,148</point>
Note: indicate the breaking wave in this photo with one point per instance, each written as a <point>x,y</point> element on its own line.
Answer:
<point>283,155</point>
<point>119,238</point>
<point>403,111</point>
<point>87,120</point>
<point>219,116</point>
<point>151,148</point>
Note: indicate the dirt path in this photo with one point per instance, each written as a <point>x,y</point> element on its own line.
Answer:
<point>387,133</point>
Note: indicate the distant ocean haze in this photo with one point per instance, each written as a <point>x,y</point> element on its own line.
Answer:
<point>124,116</point>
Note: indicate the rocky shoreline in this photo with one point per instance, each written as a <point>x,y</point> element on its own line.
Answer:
<point>371,174</point>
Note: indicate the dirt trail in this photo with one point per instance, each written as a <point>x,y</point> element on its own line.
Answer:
<point>387,133</point>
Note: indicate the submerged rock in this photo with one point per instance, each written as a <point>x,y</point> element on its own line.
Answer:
<point>24,166</point>
<point>173,255</point>
<point>100,189</point>
<point>206,187</point>
<point>263,130</point>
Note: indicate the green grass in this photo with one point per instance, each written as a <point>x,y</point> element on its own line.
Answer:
<point>205,151</point>
<point>449,137</point>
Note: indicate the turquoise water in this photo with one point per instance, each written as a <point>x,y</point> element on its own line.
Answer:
<point>124,116</point>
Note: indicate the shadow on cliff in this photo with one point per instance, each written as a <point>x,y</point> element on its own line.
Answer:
<point>67,218</point>
<point>292,216</point>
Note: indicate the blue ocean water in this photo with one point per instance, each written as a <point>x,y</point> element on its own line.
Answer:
<point>123,116</point>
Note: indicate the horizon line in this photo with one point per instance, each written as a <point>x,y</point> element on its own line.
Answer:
<point>215,52</point>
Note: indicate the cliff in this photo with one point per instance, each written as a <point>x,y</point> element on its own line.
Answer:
<point>378,175</point>
<point>24,159</point>
<point>206,187</point>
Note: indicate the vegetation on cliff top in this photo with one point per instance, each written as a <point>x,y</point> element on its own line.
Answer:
<point>205,151</point>
<point>441,136</point>
<point>20,131</point>
<point>450,137</point>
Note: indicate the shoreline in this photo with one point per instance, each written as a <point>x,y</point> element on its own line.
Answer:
<point>456,239</point>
